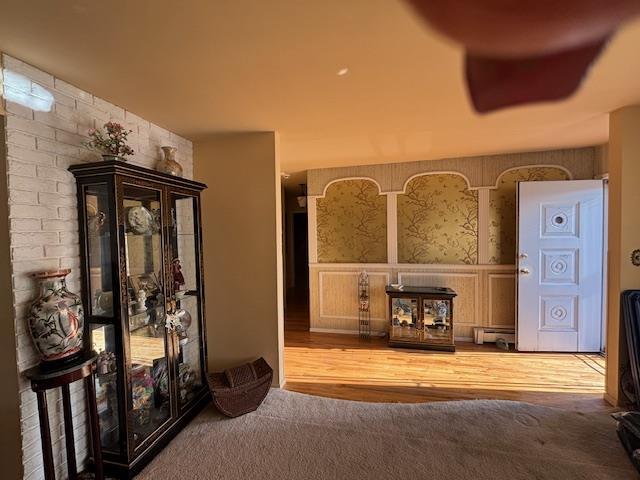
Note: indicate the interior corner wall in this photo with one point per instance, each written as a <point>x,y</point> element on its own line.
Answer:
<point>11,456</point>
<point>242,242</point>
<point>624,235</point>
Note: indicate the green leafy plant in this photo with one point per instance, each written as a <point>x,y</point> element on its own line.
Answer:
<point>110,140</point>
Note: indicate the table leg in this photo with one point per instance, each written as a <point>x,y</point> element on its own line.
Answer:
<point>68,433</point>
<point>47,453</point>
<point>94,425</point>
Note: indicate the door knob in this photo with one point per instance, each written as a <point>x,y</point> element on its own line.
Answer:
<point>524,271</point>
<point>523,255</point>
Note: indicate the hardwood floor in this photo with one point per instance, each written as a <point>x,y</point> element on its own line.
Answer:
<point>347,367</point>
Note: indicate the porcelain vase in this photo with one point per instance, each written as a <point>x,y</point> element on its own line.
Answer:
<point>56,318</point>
<point>169,164</point>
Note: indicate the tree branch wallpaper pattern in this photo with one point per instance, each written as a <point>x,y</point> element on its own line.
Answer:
<point>502,210</point>
<point>438,221</point>
<point>352,223</point>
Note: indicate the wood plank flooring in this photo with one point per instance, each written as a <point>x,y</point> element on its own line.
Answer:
<point>347,367</point>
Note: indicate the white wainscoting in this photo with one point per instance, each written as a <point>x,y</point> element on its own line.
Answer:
<point>484,294</point>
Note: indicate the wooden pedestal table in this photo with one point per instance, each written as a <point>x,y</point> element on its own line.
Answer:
<point>44,378</point>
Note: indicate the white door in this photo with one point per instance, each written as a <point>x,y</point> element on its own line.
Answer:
<point>560,234</point>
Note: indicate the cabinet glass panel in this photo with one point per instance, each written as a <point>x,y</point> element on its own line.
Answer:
<point>404,318</point>
<point>437,320</point>
<point>103,341</point>
<point>146,317</point>
<point>185,286</point>
<point>97,217</point>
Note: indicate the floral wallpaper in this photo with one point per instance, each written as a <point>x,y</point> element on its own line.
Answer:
<point>352,223</point>
<point>438,221</point>
<point>502,210</point>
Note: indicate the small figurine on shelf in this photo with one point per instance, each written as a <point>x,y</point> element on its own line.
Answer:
<point>141,306</point>
<point>178,277</point>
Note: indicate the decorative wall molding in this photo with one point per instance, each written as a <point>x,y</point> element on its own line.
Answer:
<point>392,228</point>
<point>483,225</point>
<point>312,229</point>
<point>322,287</point>
<point>480,171</point>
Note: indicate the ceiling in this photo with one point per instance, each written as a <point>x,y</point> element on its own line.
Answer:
<point>202,66</point>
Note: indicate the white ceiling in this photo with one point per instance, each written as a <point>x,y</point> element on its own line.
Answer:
<point>203,66</point>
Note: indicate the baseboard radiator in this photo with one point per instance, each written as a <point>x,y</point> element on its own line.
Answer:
<point>490,335</point>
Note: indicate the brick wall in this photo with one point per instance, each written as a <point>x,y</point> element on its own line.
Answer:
<point>43,216</point>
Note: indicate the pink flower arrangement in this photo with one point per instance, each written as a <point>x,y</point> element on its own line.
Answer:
<point>112,140</point>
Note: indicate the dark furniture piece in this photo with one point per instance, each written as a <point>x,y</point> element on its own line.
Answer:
<point>142,277</point>
<point>241,390</point>
<point>421,317</point>
<point>45,378</point>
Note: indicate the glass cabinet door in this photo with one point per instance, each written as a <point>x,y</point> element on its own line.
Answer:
<point>102,337</point>
<point>437,320</point>
<point>404,318</point>
<point>185,266</point>
<point>148,365</point>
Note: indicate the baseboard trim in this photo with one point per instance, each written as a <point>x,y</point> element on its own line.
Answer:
<point>610,400</point>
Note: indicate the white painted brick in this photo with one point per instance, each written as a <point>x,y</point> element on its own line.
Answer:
<point>114,111</point>
<point>29,126</point>
<point>55,199</point>
<point>66,188</point>
<point>29,266</point>
<point>21,283</point>
<point>59,225</point>
<point>27,70</point>
<point>72,91</point>
<point>15,80</point>
<point>133,118</point>
<point>93,112</point>
<point>78,140</point>
<point>67,213</point>
<point>16,108</point>
<point>23,169</point>
<point>21,139</point>
<point>23,197</point>
<point>62,99</point>
<point>31,184</point>
<point>71,262</point>
<point>24,253</point>
<point>55,121</point>
<point>33,238</point>
<point>69,237</point>
<point>30,156</point>
<point>61,250</point>
<point>24,225</point>
<point>54,173</point>
<point>58,148</point>
<point>32,211</point>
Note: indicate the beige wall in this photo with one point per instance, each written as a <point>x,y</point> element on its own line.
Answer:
<point>624,232</point>
<point>241,219</point>
<point>11,457</point>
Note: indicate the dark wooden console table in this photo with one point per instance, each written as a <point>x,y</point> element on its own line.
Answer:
<point>44,378</point>
<point>421,317</point>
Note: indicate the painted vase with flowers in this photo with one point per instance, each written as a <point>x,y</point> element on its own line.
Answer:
<point>56,318</point>
<point>110,141</point>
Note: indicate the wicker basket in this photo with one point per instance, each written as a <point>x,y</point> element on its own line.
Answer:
<point>242,389</point>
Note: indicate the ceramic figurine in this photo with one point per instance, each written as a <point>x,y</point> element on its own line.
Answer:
<point>178,277</point>
<point>142,300</point>
<point>56,318</point>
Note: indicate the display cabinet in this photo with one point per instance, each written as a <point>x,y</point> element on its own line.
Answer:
<point>143,291</point>
<point>421,317</point>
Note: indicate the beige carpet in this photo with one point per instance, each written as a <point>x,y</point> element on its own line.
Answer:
<point>296,436</point>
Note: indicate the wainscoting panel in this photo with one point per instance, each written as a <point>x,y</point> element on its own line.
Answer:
<point>486,294</point>
<point>502,299</point>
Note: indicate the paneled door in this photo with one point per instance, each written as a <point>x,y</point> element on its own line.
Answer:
<point>560,251</point>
